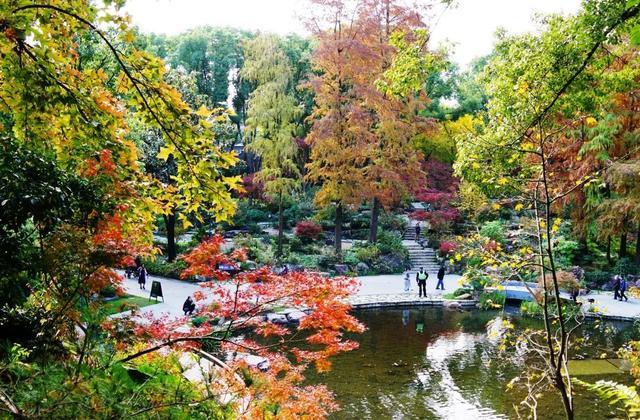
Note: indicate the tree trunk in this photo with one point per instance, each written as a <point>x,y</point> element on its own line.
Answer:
<point>638,246</point>
<point>609,250</point>
<point>170,224</point>
<point>338,229</point>
<point>373,224</point>
<point>623,246</point>
<point>280,227</point>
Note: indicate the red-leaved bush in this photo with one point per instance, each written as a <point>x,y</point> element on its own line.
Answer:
<point>420,215</point>
<point>447,248</point>
<point>308,230</point>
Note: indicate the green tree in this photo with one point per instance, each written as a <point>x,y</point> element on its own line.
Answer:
<point>271,117</point>
<point>539,87</point>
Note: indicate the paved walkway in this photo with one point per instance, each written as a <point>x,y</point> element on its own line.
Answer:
<point>384,289</point>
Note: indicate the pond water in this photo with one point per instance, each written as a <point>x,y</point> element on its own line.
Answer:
<point>450,368</point>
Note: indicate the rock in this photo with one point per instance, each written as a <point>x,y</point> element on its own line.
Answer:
<point>341,269</point>
<point>295,316</point>
<point>277,318</point>
<point>464,296</point>
<point>452,304</point>
<point>256,361</point>
<point>394,262</point>
<point>362,268</point>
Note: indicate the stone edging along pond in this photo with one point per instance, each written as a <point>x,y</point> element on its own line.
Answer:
<point>400,300</point>
<point>391,301</point>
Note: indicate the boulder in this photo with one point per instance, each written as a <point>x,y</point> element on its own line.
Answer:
<point>277,318</point>
<point>362,268</point>
<point>452,304</point>
<point>464,296</point>
<point>295,316</point>
<point>341,269</point>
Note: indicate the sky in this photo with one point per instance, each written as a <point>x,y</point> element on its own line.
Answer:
<point>469,27</point>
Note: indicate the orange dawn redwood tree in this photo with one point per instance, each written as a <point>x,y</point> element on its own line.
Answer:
<point>372,63</point>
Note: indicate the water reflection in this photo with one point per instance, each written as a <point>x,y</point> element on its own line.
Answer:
<point>436,364</point>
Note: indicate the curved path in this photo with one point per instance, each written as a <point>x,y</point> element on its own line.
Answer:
<point>380,291</point>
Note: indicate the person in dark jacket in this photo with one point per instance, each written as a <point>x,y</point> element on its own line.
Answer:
<point>623,288</point>
<point>188,306</point>
<point>440,284</point>
<point>418,232</point>
<point>421,278</point>
<point>142,276</point>
<point>616,287</point>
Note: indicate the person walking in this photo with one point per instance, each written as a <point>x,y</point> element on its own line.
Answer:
<point>418,232</point>
<point>188,306</point>
<point>623,288</point>
<point>440,276</point>
<point>407,282</point>
<point>616,287</point>
<point>142,276</point>
<point>421,278</point>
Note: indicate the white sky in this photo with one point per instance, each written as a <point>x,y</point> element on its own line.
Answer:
<point>470,26</point>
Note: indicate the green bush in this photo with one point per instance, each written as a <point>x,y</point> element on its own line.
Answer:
<point>360,221</point>
<point>160,267</point>
<point>392,222</point>
<point>565,252</point>
<point>310,262</point>
<point>530,308</point>
<point>257,250</point>
<point>492,300</point>
<point>108,292</point>
<point>247,216</point>
<point>391,243</point>
<point>476,280</point>
<point>350,258</point>
<point>625,266</point>
<point>298,210</point>
<point>367,253</point>
<point>493,230</point>
<point>599,278</point>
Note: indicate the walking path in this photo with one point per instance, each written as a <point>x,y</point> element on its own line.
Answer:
<point>384,290</point>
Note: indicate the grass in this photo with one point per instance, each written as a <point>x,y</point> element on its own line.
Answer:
<point>126,303</point>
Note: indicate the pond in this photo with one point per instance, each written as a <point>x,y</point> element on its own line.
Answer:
<point>450,367</point>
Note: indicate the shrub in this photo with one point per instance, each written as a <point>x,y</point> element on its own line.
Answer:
<point>625,266</point>
<point>564,252</point>
<point>391,243</point>
<point>390,221</point>
<point>597,278</point>
<point>298,210</point>
<point>160,267</point>
<point>257,250</point>
<point>420,215</point>
<point>493,230</point>
<point>108,292</point>
<point>308,230</point>
<point>367,253</point>
<point>447,248</point>
<point>530,308</point>
<point>360,221</point>
<point>492,300</point>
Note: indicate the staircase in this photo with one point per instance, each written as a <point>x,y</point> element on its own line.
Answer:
<point>421,257</point>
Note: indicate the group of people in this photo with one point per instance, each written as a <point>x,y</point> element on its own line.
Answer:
<point>421,279</point>
<point>619,287</point>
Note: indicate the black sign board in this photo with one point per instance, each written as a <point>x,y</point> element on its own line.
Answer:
<point>156,290</point>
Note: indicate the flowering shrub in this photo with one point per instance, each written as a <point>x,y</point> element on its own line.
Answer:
<point>308,230</point>
<point>447,248</point>
<point>420,215</point>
